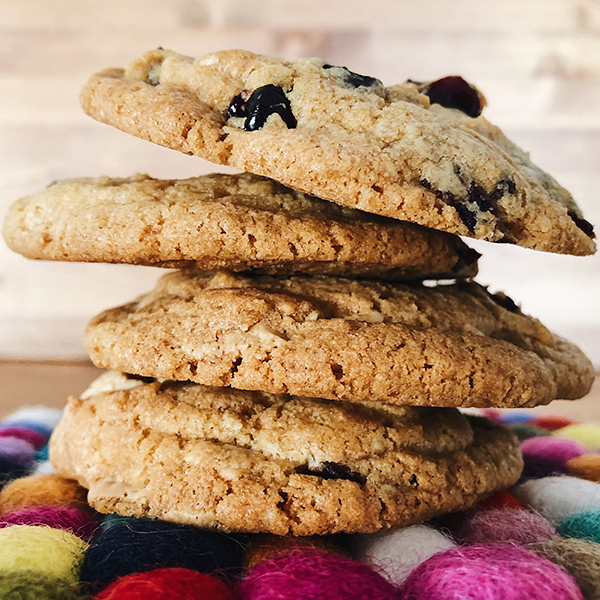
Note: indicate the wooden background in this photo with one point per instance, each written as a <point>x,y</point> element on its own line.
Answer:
<point>537,61</point>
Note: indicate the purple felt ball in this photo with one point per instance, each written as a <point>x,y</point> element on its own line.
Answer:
<point>545,456</point>
<point>494,572</point>
<point>35,438</point>
<point>504,525</point>
<point>82,524</point>
<point>313,575</point>
<point>17,451</point>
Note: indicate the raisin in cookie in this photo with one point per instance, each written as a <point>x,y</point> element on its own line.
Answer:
<point>233,222</point>
<point>255,462</point>
<point>325,337</point>
<point>343,137</point>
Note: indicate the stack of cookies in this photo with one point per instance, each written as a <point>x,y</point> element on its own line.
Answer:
<point>302,369</point>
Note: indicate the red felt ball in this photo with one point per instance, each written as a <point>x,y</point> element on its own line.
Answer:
<point>552,423</point>
<point>500,499</point>
<point>167,584</point>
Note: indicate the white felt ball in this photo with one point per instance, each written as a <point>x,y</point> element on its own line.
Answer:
<point>36,414</point>
<point>397,552</point>
<point>44,467</point>
<point>559,497</point>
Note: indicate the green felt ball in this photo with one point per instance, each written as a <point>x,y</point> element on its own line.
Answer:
<point>54,553</point>
<point>524,432</point>
<point>33,585</point>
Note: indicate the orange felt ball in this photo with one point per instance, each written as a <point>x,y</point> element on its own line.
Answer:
<point>586,466</point>
<point>42,490</point>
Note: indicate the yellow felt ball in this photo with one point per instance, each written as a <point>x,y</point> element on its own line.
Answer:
<point>587,434</point>
<point>53,552</point>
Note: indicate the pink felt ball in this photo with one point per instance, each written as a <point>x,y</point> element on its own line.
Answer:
<point>82,524</point>
<point>314,575</point>
<point>494,572</point>
<point>553,448</point>
<point>547,455</point>
<point>505,525</point>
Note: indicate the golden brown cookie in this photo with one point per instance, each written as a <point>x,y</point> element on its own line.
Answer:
<point>234,222</point>
<point>325,337</point>
<point>251,461</point>
<point>346,138</point>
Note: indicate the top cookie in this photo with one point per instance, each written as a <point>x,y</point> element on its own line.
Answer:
<point>346,138</point>
<point>235,222</point>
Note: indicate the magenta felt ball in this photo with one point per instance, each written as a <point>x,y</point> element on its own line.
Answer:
<point>82,524</point>
<point>494,572</point>
<point>547,455</point>
<point>35,438</point>
<point>505,525</point>
<point>313,575</point>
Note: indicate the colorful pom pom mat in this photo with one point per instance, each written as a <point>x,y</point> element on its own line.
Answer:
<point>539,540</point>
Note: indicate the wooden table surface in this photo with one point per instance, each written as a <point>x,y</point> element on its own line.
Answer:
<point>26,383</point>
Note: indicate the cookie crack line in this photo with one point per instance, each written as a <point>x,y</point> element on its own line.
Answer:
<point>318,127</point>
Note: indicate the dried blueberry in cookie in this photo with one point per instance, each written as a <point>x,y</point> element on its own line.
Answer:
<point>478,204</point>
<point>354,79</point>
<point>237,107</point>
<point>333,470</point>
<point>455,92</point>
<point>584,225</point>
<point>260,105</point>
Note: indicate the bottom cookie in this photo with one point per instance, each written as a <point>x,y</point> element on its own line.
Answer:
<point>256,462</point>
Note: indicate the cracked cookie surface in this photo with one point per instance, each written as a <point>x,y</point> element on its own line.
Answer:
<point>233,222</point>
<point>256,462</point>
<point>326,337</point>
<point>346,138</point>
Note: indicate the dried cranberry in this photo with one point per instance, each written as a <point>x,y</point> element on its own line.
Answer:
<point>454,92</point>
<point>354,79</point>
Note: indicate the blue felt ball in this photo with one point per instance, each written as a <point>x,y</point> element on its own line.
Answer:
<point>138,545</point>
<point>42,454</point>
<point>584,525</point>
<point>516,417</point>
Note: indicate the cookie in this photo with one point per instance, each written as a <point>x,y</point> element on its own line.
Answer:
<point>256,462</point>
<point>232,222</point>
<point>325,337</point>
<point>344,137</point>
